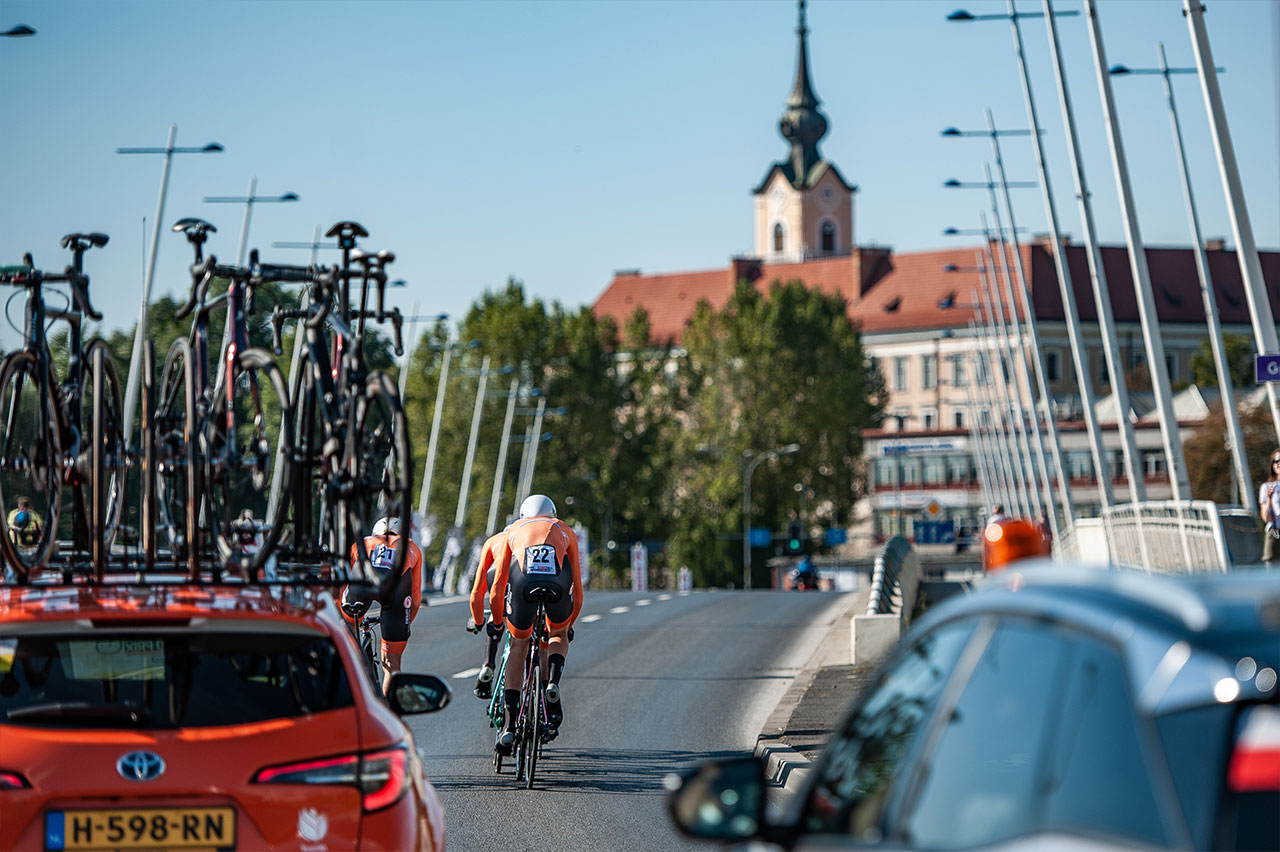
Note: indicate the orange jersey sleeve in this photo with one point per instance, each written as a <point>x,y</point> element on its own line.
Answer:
<point>414,566</point>
<point>498,593</point>
<point>480,585</point>
<point>576,566</point>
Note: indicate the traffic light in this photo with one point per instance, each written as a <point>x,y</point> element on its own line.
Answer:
<point>794,540</point>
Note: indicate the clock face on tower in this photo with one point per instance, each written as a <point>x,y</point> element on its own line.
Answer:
<point>828,196</point>
<point>779,197</point>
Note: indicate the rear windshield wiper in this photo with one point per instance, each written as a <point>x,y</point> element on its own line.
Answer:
<point>81,711</point>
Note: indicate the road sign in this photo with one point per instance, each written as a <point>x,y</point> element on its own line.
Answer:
<point>1266,368</point>
<point>835,535</point>
<point>933,510</point>
<point>935,532</point>
<point>760,537</point>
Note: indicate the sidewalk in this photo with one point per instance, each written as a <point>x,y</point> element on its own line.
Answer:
<point>815,702</point>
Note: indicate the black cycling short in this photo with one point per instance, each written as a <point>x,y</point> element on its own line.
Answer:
<point>397,612</point>
<point>521,610</point>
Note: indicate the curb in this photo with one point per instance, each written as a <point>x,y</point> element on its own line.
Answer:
<point>785,767</point>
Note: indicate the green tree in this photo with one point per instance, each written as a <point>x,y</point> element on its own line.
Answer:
<point>764,372</point>
<point>1239,351</point>
<point>1209,464</point>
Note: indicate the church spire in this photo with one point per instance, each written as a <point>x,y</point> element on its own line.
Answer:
<point>802,124</point>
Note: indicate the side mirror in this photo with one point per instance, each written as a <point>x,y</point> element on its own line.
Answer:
<point>721,800</point>
<point>417,693</point>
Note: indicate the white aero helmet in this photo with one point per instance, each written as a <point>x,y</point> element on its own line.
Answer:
<point>537,506</point>
<point>387,526</point>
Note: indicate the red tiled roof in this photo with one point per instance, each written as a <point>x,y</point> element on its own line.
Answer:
<point>888,293</point>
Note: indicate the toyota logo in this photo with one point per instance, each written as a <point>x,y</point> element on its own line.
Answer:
<point>140,766</point>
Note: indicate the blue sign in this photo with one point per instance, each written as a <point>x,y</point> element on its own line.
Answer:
<point>1266,368</point>
<point>835,535</point>
<point>935,532</point>
<point>760,537</point>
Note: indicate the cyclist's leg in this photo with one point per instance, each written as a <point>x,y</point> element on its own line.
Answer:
<point>397,613</point>
<point>558,615</point>
<point>493,636</point>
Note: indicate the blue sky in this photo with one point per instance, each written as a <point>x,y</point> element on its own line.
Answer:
<point>559,141</point>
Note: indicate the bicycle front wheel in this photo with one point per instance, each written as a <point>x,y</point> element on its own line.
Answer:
<point>106,456</point>
<point>378,470</point>
<point>250,411</point>
<point>30,464</point>
<point>177,471</point>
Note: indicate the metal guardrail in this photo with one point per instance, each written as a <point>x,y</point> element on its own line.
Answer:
<point>1166,536</point>
<point>894,579</point>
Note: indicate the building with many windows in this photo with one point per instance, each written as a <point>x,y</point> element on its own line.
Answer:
<point>920,318</point>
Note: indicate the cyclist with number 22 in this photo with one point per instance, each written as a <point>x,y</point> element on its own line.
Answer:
<point>537,550</point>
<point>401,608</point>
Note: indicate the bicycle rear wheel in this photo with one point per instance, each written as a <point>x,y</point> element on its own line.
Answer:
<point>378,468</point>
<point>534,745</point>
<point>106,456</point>
<point>250,410</point>
<point>30,463</point>
<point>177,469</point>
<point>370,643</point>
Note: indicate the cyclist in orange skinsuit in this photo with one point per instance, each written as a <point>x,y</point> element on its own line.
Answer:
<point>537,551</point>
<point>402,607</point>
<point>485,574</point>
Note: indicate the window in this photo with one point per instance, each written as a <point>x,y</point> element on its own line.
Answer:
<point>959,469</point>
<point>1052,365</point>
<point>1044,737</point>
<point>902,417</point>
<point>983,772</point>
<point>173,680</point>
<point>1153,463</point>
<point>911,471</point>
<point>929,371</point>
<point>957,418</point>
<point>778,243</point>
<point>899,374</point>
<point>862,761</point>
<point>1080,465</point>
<point>886,471</point>
<point>828,236</point>
<point>935,470</point>
<point>958,378</point>
<point>929,417</point>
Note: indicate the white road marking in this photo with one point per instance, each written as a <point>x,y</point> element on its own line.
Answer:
<point>467,672</point>
<point>644,602</point>
<point>664,597</point>
<point>587,619</point>
<point>617,610</point>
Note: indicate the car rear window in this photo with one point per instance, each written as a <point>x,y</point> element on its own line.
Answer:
<point>150,679</point>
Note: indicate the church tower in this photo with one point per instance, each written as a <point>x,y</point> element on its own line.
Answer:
<point>804,206</point>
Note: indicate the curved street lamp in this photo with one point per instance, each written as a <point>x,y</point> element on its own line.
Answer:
<point>752,461</point>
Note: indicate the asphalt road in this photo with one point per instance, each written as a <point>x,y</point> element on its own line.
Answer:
<point>654,682</point>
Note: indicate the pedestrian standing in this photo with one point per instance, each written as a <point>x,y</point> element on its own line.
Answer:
<point>1269,506</point>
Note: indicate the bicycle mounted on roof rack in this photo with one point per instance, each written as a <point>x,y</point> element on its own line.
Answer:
<point>51,438</point>
<point>352,462</point>
<point>209,451</point>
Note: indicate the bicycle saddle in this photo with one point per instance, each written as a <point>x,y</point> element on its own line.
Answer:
<point>83,242</point>
<point>542,594</point>
<point>197,230</point>
<point>346,232</point>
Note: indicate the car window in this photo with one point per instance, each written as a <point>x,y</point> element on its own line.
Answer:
<point>977,787</point>
<point>1043,738</point>
<point>167,679</point>
<point>1196,745</point>
<point>860,764</point>
<point>1100,778</point>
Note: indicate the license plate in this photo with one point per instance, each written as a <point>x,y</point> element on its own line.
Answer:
<point>137,828</point>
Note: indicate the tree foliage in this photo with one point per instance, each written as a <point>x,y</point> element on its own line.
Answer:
<point>1239,350</point>
<point>1209,463</point>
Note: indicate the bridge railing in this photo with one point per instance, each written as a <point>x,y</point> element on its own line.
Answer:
<point>895,580</point>
<point>1166,536</point>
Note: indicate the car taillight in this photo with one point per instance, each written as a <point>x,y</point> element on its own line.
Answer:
<point>1255,763</point>
<point>12,781</point>
<point>382,777</point>
<point>379,775</point>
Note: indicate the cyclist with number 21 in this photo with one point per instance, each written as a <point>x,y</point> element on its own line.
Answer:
<point>538,550</point>
<point>401,608</point>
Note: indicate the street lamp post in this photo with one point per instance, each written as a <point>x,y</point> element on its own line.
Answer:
<point>753,461</point>
<point>424,496</point>
<point>1234,434</point>
<point>135,374</point>
<point>248,201</point>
